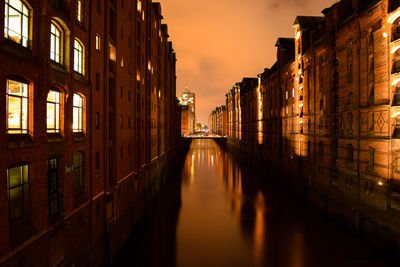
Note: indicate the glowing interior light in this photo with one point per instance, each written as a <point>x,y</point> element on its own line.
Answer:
<point>385,34</point>
<point>298,35</point>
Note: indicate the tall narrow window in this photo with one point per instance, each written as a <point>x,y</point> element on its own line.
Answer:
<point>18,192</point>
<point>371,161</point>
<point>98,42</point>
<point>79,10</point>
<point>52,175</point>
<point>78,173</point>
<point>55,43</point>
<point>53,112</point>
<point>350,62</point>
<point>17,107</point>
<point>16,22</point>
<point>78,56</point>
<point>77,125</point>
<point>350,153</point>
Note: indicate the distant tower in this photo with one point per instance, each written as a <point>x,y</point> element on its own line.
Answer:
<point>189,99</point>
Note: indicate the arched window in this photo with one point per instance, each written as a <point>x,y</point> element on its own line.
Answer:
<point>53,111</point>
<point>396,61</point>
<point>78,56</point>
<point>396,29</point>
<point>56,41</point>
<point>397,128</point>
<point>397,95</point>
<point>17,22</point>
<point>77,125</point>
<point>17,99</point>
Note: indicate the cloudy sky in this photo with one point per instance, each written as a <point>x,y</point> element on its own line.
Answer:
<point>218,42</point>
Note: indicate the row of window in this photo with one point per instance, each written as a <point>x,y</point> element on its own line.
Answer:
<point>18,100</point>
<point>18,180</point>
<point>17,22</point>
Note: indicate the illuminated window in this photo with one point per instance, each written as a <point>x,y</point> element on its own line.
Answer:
<point>78,173</point>
<point>18,192</point>
<point>16,22</point>
<point>79,13</point>
<point>98,45</point>
<point>55,43</point>
<point>77,125</point>
<point>53,112</point>
<point>17,107</point>
<point>78,56</point>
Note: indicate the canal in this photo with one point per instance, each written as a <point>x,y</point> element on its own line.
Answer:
<point>219,212</point>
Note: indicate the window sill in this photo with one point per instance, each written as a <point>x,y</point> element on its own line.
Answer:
<point>18,141</point>
<point>58,67</point>
<point>54,138</point>
<point>79,77</point>
<point>79,137</point>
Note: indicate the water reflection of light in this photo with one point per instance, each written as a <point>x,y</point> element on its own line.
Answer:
<point>212,160</point>
<point>259,227</point>
<point>297,250</point>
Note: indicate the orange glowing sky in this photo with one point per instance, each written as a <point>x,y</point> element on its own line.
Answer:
<point>218,42</point>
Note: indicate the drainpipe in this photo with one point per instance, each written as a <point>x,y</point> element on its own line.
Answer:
<point>359,125</point>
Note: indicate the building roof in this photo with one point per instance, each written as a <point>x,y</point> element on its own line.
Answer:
<point>285,44</point>
<point>307,23</point>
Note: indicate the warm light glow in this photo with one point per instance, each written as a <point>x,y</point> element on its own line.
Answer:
<point>298,35</point>
<point>16,22</point>
<point>380,183</point>
<point>77,123</point>
<point>385,34</point>
<point>17,107</point>
<point>395,81</point>
<point>393,17</point>
<point>395,49</point>
<point>53,112</point>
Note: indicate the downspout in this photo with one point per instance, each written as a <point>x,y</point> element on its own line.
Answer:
<point>358,122</point>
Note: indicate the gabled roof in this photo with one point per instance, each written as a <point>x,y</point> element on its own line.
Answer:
<point>308,22</point>
<point>285,44</point>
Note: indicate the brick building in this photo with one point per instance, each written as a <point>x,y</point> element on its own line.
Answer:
<point>187,120</point>
<point>329,113</point>
<point>90,122</point>
<point>218,121</point>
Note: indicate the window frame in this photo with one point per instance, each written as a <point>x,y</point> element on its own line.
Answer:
<point>79,57</point>
<point>79,168</point>
<point>25,20</point>
<point>79,11</point>
<point>79,107</point>
<point>25,200</point>
<point>60,38</point>
<point>52,168</point>
<point>57,112</point>
<point>23,127</point>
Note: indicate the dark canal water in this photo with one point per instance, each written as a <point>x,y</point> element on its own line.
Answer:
<point>221,213</point>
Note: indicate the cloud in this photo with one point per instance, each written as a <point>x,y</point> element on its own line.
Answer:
<point>219,42</point>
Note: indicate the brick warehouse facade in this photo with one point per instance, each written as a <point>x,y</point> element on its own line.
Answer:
<point>88,93</point>
<point>218,121</point>
<point>327,112</point>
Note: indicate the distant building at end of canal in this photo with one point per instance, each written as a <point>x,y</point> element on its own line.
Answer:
<point>327,113</point>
